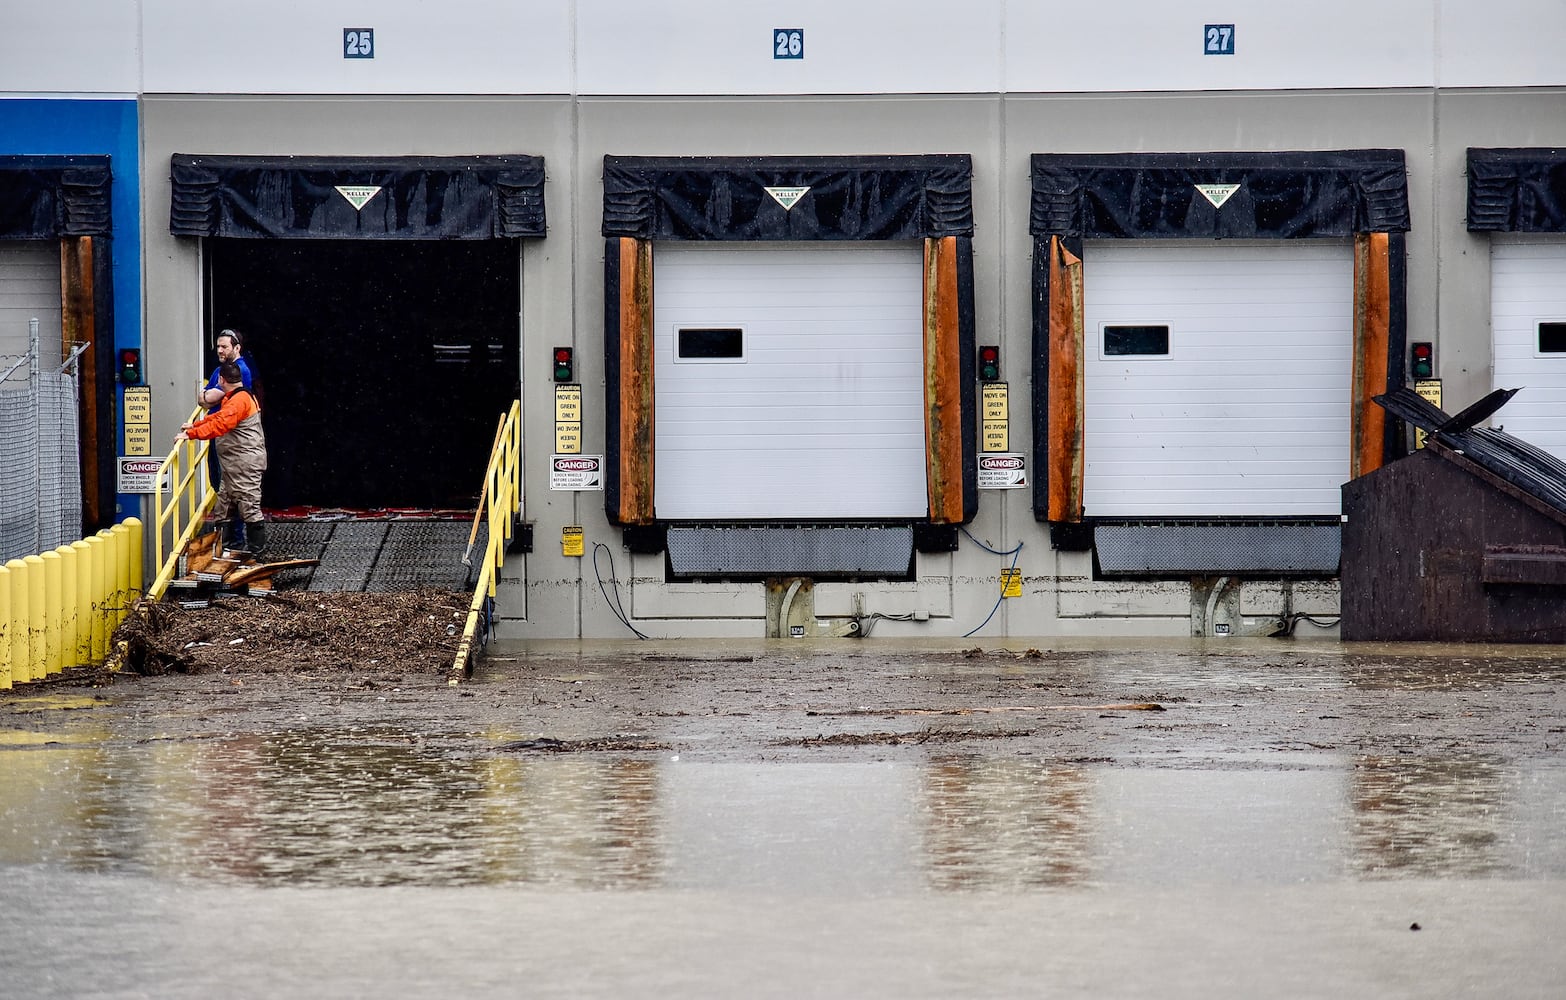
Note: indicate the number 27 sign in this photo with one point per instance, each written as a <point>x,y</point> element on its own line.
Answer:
<point>1218,40</point>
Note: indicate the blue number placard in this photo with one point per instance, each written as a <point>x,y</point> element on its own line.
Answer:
<point>1218,40</point>
<point>788,43</point>
<point>358,43</point>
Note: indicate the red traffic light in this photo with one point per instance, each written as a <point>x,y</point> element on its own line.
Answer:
<point>562,364</point>
<point>989,363</point>
<point>1423,357</point>
<point>130,365</point>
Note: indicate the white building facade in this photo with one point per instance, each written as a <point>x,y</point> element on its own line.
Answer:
<point>779,249</point>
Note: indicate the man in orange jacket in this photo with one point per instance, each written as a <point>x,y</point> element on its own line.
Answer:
<point>235,431</point>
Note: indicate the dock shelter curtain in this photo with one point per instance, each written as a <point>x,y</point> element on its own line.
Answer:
<point>1359,194</point>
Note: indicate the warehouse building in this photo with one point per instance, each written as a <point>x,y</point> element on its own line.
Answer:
<point>905,325</point>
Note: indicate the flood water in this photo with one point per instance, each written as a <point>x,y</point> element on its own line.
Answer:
<point>395,861</point>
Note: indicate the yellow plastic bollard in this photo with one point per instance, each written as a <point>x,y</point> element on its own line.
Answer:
<point>68,615</point>
<point>5,629</point>
<point>122,572</point>
<point>138,582</point>
<point>100,595</point>
<point>82,654</point>
<point>53,570</point>
<point>20,672</point>
<point>37,614</point>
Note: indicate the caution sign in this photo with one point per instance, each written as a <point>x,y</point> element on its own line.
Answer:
<point>138,405</point>
<point>1429,388</point>
<point>568,402</point>
<point>576,472</point>
<point>996,418</point>
<point>1011,582</point>
<point>568,418</point>
<point>571,540</point>
<point>138,439</point>
<point>136,409</point>
<point>568,437</point>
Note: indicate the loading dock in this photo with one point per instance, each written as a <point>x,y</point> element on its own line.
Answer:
<point>1518,196</point>
<point>1209,329</point>
<point>848,282</point>
<point>380,298</point>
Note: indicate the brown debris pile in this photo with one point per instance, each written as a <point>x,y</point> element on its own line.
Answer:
<point>402,632</point>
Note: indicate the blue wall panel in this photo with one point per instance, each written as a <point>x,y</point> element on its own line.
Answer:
<point>94,127</point>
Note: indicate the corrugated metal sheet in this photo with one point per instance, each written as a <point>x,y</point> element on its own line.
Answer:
<point>1210,549</point>
<point>761,551</point>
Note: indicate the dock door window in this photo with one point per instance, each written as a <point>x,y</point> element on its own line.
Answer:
<point>1136,341</point>
<point>1552,338</point>
<point>710,344</point>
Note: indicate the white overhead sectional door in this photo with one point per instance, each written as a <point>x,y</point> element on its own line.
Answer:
<point>1217,377</point>
<point>789,381</point>
<point>29,288</point>
<point>1528,324</point>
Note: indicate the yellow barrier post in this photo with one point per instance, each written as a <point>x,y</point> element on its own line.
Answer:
<point>136,568</point>
<point>121,535</point>
<point>21,673</point>
<point>6,625</point>
<point>51,617</point>
<point>37,613</point>
<point>70,616</point>
<point>100,596</point>
<point>82,654</point>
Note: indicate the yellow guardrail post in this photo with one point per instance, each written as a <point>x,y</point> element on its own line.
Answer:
<point>502,489</point>
<point>17,634</point>
<point>6,625</point>
<point>37,609</point>
<point>182,489</point>
<point>83,650</point>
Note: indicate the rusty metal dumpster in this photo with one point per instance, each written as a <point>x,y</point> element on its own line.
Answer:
<point>1464,540</point>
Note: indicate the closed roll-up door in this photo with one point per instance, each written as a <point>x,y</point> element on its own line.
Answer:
<point>29,287</point>
<point>789,381</point>
<point>1528,324</point>
<point>1217,377</point>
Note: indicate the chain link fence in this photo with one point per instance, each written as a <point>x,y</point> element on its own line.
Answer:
<point>40,467</point>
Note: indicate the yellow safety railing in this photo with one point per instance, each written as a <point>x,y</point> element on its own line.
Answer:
<point>59,608</point>
<point>184,495</point>
<point>500,500</point>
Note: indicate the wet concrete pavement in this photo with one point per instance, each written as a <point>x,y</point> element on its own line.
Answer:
<point>778,819</point>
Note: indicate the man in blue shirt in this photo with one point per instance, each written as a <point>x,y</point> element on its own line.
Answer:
<point>230,345</point>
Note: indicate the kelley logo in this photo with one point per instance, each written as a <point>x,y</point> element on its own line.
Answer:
<point>787,196</point>
<point>358,195</point>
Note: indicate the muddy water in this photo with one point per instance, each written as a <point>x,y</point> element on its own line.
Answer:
<point>1282,830</point>
<point>393,807</point>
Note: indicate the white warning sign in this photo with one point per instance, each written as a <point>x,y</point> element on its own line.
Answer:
<point>1006,471</point>
<point>576,472</point>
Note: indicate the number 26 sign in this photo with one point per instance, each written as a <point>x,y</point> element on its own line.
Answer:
<point>788,43</point>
